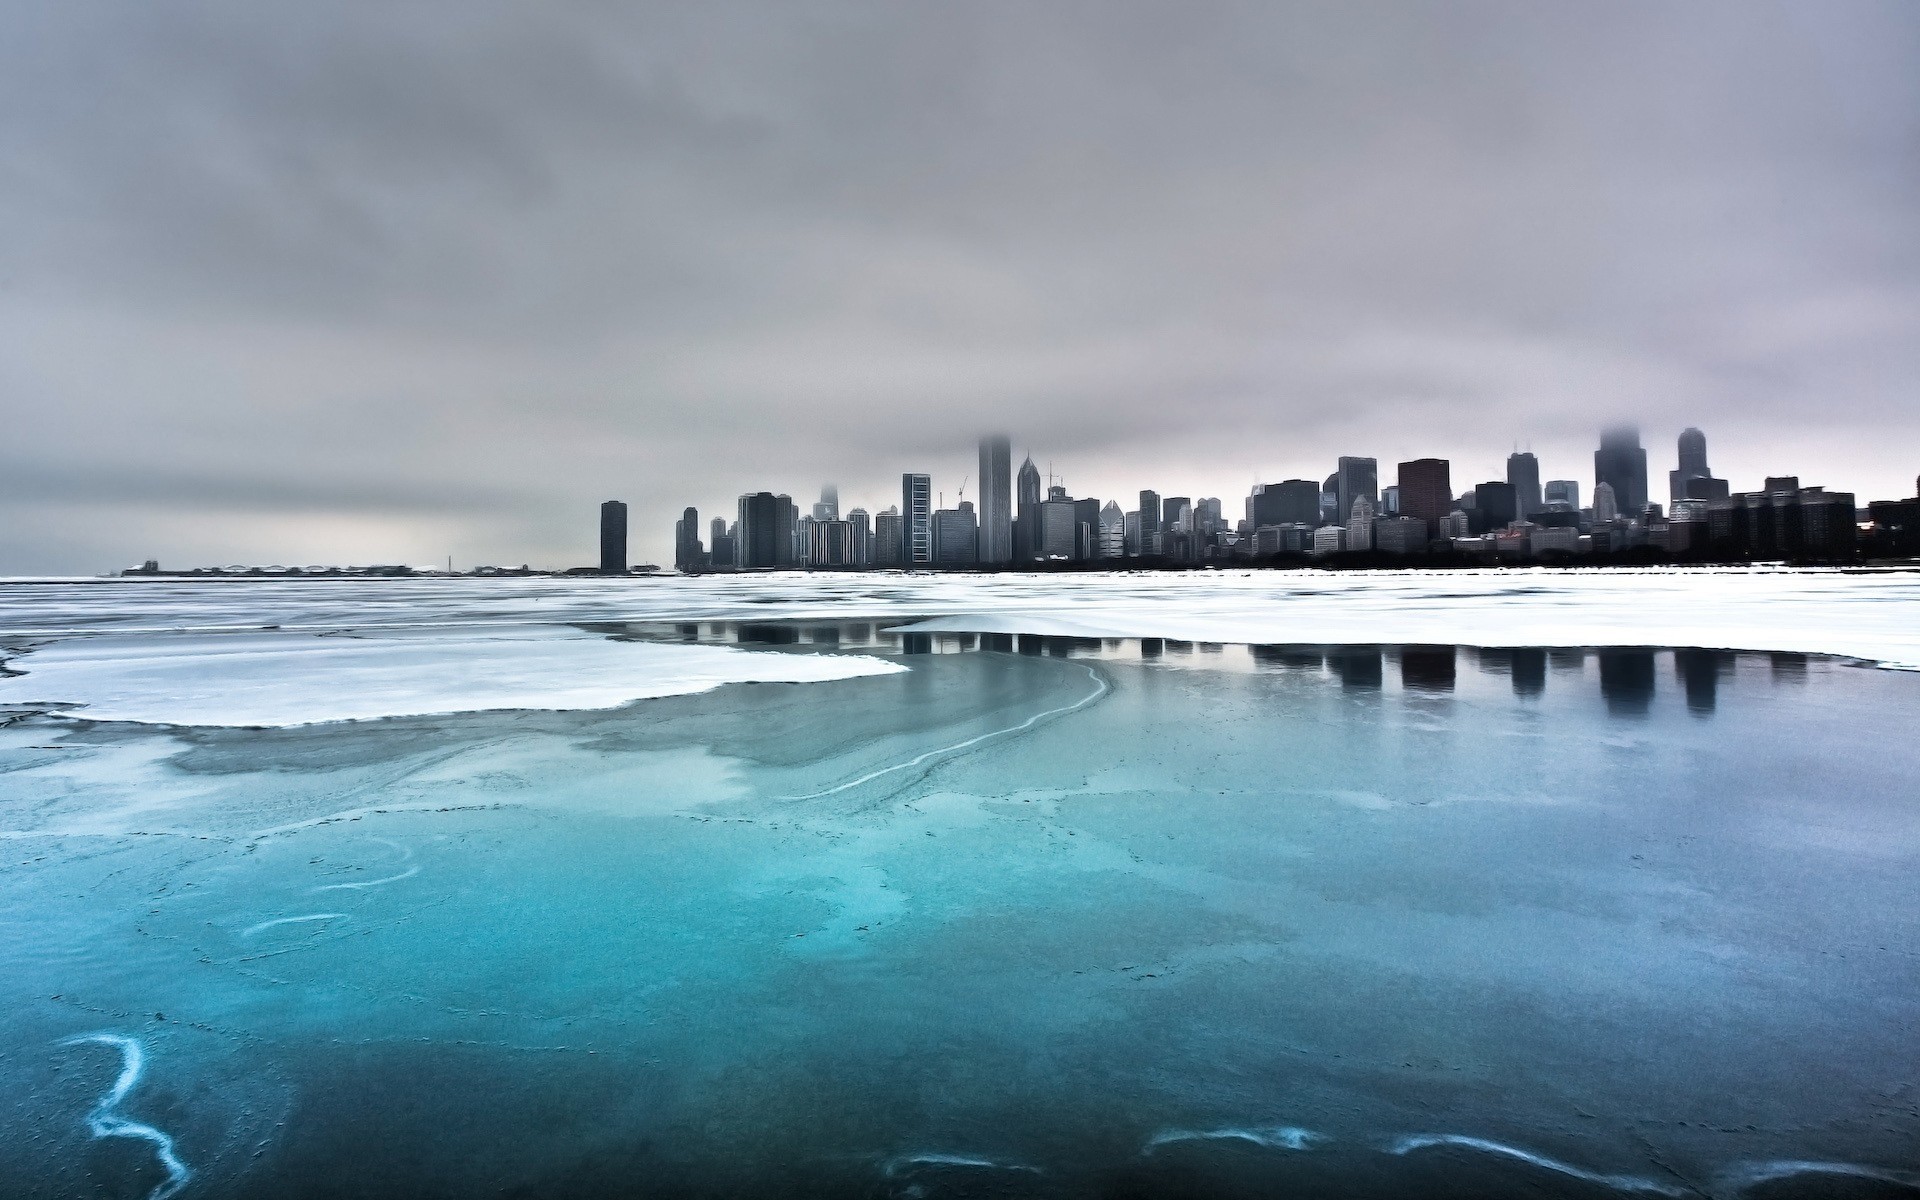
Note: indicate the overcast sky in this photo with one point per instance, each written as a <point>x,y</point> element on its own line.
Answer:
<point>321,282</point>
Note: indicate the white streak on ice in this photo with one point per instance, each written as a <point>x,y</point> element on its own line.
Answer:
<point>284,679</point>
<point>1099,690</point>
<point>1622,1183</point>
<point>1279,1137</point>
<point>903,1162</point>
<point>266,925</point>
<point>103,1121</point>
<point>409,873</point>
<point>1749,1175</point>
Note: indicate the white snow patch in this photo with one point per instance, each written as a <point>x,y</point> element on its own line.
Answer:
<point>285,679</point>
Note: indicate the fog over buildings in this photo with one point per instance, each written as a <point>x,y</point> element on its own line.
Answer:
<point>391,283</point>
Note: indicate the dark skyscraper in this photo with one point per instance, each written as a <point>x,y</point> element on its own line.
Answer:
<point>758,534</point>
<point>996,500</point>
<point>1026,539</point>
<point>1621,462</point>
<point>686,541</point>
<point>1693,480</point>
<point>1499,506</point>
<point>916,519</point>
<point>1149,513</point>
<point>1523,472</point>
<point>613,538</point>
<point>1355,477</point>
<point>1289,502</point>
<point>1426,491</point>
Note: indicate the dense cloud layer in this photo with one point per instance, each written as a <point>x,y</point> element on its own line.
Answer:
<point>389,282</point>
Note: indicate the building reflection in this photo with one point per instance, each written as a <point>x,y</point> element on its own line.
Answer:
<point>1700,673</point>
<point>1357,666</point>
<point>1626,680</point>
<point>1427,668</point>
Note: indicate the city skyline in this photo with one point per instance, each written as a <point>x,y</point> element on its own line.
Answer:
<point>400,284</point>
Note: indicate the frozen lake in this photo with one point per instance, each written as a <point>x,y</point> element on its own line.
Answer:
<point>1235,885</point>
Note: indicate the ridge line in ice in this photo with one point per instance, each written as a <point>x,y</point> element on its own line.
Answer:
<point>1279,1137</point>
<point>1622,1183</point>
<point>900,1162</point>
<point>1099,690</point>
<point>266,925</point>
<point>104,1122</point>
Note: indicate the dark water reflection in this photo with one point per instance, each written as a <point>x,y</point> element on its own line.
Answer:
<point>1627,677</point>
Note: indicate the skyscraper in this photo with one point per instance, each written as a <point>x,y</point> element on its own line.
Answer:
<point>1354,478</point>
<point>828,509</point>
<point>861,527</point>
<point>1113,531</point>
<point>1606,505</point>
<point>1693,480</point>
<point>1523,472</point>
<point>956,535</point>
<point>1360,524</point>
<point>916,519</point>
<point>1426,491</point>
<point>1498,502</point>
<point>996,500</point>
<point>1564,491</point>
<point>1289,502</point>
<point>1621,462</point>
<point>613,538</point>
<point>761,537</point>
<point>1026,538</point>
<point>886,538</point>
<point>686,541</point>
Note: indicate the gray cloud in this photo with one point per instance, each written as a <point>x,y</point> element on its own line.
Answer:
<point>446,275</point>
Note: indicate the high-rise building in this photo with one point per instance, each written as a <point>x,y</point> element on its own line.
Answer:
<point>1174,510</point>
<point>1330,501</point>
<point>1113,531</point>
<point>828,509</point>
<point>1360,524</point>
<point>1289,502</point>
<point>1622,462</point>
<point>1426,490</point>
<point>1498,503</point>
<point>1694,480</point>
<point>1606,505</point>
<point>1059,527</point>
<point>1390,500</point>
<point>1354,478</point>
<point>916,519</point>
<point>687,555</point>
<point>886,538</point>
<point>996,500</point>
<point>720,545</point>
<point>613,538</point>
<point>861,529</point>
<point>956,535</point>
<point>1523,472</point>
<point>1026,532</point>
<point>1564,491</point>
<point>761,532</point>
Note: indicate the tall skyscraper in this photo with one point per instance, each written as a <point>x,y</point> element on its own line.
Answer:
<point>1026,537</point>
<point>1498,503</point>
<point>762,539</point>
<point>1113,531</point>
<point>916,519</point>
<point>1354,478</point>
<point>1426,491</point>
<point>886,538</point>
<point>862,530</point>
<point>720,545</point>
<point>1523,472</point>
<point>996,500</point>
<point>1149,511</point>
<point>828,509</point>
<point>613,538</point>
<point>1360,524</point>
<point>686,542</point>
<point>956,535</point>
<point>1621,462</point>
<point>1694,480</point>
<point>1606,504</point>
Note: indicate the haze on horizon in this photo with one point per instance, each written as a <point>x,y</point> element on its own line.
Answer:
<point>330,283</point>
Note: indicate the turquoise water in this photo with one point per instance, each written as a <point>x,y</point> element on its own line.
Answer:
<point>1055,917</point>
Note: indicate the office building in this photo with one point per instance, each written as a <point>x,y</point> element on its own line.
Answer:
<point>1329,539</point>
<point>1353,479</point>
<point>763,537</point>
<point>1113,531</point>
<point>887,539</point>
<point>1026,513</point>
<point>1784,520</point>
<point>1390,500</point>
<point>1563,492</point>
<point>687,555</point>
<point>1498,504</point>
<point>1400,535</point>
<point>1426,490</point>
<point>996,500</point>
<point>1149,519</point>
<point>916,520</point>
<point>1523,472</point>
<point>1330,500</point>
<point>828,509</point>
<point>1693,480</point>
<point>1605,506</point>
<point>720,545</point>
<point>1059,530</point>
<point>1289,502</point>
<point>860,530</point>
<point>1622,463</point>
<point>1360,524</point>
<point>613,538</point>
<point>956,536</point>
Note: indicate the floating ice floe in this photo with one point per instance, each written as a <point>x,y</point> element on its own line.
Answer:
<point>284,679</point>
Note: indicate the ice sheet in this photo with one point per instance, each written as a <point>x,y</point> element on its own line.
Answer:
<point>283,679</point>
<point>1873,616</point>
